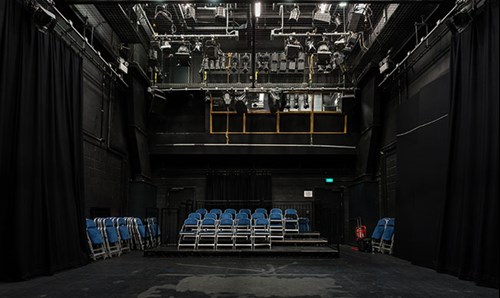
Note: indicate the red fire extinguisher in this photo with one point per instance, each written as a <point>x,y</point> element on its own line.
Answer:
<point>360,230</point>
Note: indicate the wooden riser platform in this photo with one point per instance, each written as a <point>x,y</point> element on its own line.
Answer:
<point>276,251</point>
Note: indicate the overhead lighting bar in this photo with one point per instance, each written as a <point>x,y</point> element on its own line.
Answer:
<point>233,34</point>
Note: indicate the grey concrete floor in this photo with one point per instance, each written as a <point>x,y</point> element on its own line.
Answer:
<point>354,274</point>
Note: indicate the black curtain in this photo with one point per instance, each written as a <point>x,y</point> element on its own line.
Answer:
<point>41,166</point>
<point>469,237</point>
<point>239,189</point>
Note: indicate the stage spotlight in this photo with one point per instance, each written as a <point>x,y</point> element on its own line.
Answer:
<point>386,64</point>
<point>227,98</point>
<point>122,65</point>
<point>351,42</point>
<point>234,62</point>
<point>324,7</point>
<point>198,47</point>
<point>294,13</point>
<point>306,101</point>
<point>220,13</point>
<point>183,56</point>
<point>337,20</point>
<point>212,49</point>
<point>459,21</point>
<point>165,46</point>
<point>240,104</point>
<point>189,11</point>
<point>282,62</point>
<point>208,96</point>
<point>264,61</point>
<point>45,21</point>
<point>292,48</point>
<point>311,48</point>
<point>338,58</point>
<point>322,13</point>
<point>296,101</point>
<point>274,62</point>
<point>245,61</point>
<point>324,53</point>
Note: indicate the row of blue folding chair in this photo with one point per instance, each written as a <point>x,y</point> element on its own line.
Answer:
<point>288,212</point>
<point>383,235</point>
<point>106,237</point>
<point>113,235</point>
<point>225,233</point>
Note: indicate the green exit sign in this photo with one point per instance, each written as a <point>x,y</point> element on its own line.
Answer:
<point>329,180</point>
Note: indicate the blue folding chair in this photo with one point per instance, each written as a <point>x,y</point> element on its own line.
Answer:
<point>243,233</point>
<point>201,211</point>
<point>153,231</point>
<point>207,233</point>
<point>247,211</point>
<point>95,240</point>
<point>230,211</point>
<point>216,211</point>
<point>210,216</point>
<point>139,234</point>
<point>276,226</point>
<point>225,232</point>
<point>256,216</point>
<point>261,210</point>
<point>304,225</point>
<point>276,210</point>
<point>291,221</point>
<point>377,234</point>
<point>111,236</point>
<point>241,216</point>
<point>188,235</point>
<point>261,233</point>
<point>194,215</point>
<point>125,238</point>
<point>388,237</point>
<point>226,216</point>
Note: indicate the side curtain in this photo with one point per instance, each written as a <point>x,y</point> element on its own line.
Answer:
<point>41,163</point>
<point>469,236</point>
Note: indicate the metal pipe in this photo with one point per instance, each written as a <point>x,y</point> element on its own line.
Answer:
<point>254,20</point>
<point>187,36</point>
<point>255,145</point>
<point>282,14</point>
<point>307,34</point>
<point>439,22</point>
<point>227,22</point>
<point>86,42</point>
<point>262,89</point>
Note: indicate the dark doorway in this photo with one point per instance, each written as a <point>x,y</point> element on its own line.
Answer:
<point>329,215</point>
<point>180,201</point>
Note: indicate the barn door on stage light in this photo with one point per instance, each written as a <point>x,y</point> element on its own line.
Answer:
<point>329,214</point>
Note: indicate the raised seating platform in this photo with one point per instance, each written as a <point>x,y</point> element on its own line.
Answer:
<point>278,251</point>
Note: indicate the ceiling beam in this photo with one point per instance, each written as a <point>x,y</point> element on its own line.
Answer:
<point>237,1</point>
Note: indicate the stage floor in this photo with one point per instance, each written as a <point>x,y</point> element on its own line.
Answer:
<point>275,251</point>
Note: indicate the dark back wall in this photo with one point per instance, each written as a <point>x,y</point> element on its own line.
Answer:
<point>182,180</point>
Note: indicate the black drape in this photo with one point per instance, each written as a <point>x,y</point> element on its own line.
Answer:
<point>469,237</point>
<point>239,189</point>
<point>41,162</point>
